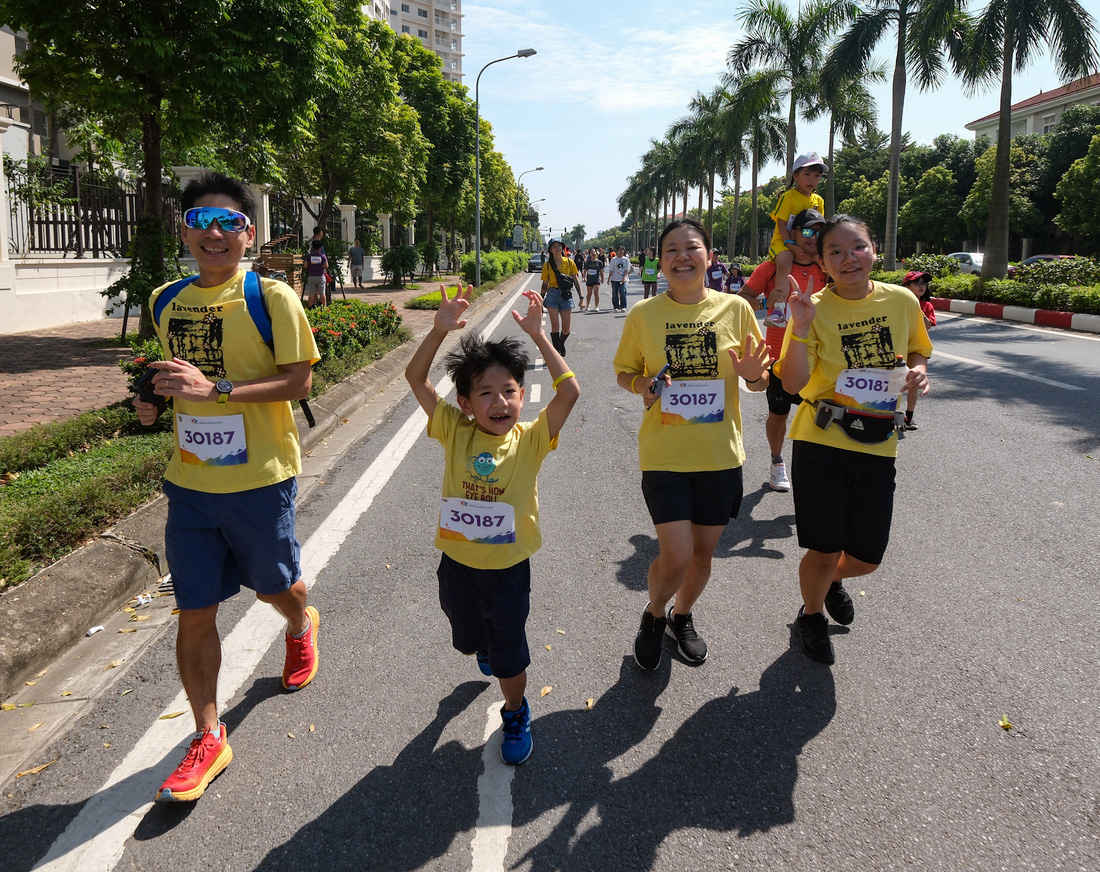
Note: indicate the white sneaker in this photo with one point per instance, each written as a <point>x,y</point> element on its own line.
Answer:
<point>596,309</point>
<point>778,316</point>
<point>778,479</point>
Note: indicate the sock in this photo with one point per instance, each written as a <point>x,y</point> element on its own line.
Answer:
<point>908,415</point>
<point>309,623</point>
<point>777,458</point>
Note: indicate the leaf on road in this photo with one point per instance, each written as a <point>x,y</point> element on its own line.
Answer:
<point>7,707</point>
<point>561,632</point>
<point>34,727</point>
<point>863,593</point>
<point>170,715</point>
<point>114,664</point>
<point>30,683</point>
<point>588,703</point>
<point>128,690</point>
<point>387,566</point>
<point>66,693</point>
<point>128,630</point>
<point>1005,723</point>
<point>36,769</point>
<point>546,690</point>
<point>106,744</point>
<point>548,648</point>
<point>291,736</point>
<point>140,617</point>
<point>43,672</point>
<point>312,728</point>
<point>128,609</point>
<point>175,611</point>
<point>26,704</point>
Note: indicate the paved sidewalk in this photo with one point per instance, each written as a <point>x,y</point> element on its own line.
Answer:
<point>53,374</point>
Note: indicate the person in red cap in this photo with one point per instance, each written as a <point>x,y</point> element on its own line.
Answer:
<point>919,283</point>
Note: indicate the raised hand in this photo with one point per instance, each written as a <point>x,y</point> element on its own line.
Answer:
<point>755,362</point>
<point>451,309</point>
<point>800,308</point>
<point>531,323</point>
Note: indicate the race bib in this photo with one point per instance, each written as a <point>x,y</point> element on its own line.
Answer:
<point>477,521</point>
<point>212,440</point>
<point>716,274</point>
<point>651,272</point>
<point>315,258</point>
<point>592,273</point>
<point>869,390</point>
<point>699,401</point>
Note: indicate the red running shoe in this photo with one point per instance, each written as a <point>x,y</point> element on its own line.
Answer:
<point>301,655</point>
<point>207,756</point>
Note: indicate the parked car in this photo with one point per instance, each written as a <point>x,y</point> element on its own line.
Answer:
<point>534,263</point>
<point>970,261</point>
<point>1035,258</point>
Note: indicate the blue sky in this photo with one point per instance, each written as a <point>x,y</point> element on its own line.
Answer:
<point>611,75</point>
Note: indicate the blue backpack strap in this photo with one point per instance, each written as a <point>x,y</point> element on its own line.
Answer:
<point>257,308</point>
<point>168,295</point>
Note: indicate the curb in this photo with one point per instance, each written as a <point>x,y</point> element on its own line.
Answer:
<point>1042,317</point>
<point>53,609</point>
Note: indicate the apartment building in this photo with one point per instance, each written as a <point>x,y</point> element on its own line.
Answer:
<point>1040,113</point>
<point>437,24</point>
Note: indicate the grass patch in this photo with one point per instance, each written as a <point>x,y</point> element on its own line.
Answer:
<point>336,369</point>
<point>432,300</point>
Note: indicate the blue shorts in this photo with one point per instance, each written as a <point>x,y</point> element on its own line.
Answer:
<point>554,300</point>
<point>217,542</point>
<point>488,611</point>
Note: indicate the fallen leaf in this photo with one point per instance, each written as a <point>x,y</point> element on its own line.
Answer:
<point>105,726</point>
<point>387,566</point>
<point>312,728</point>
<point>7,706</point>
<point>175,611</point>
<point>26,704</point>
<point>546,690</point>
<point>548,648</point>
<point>128,609</point>
<point>128,690</point>
<point>588,703</point>
<point>863,593</point>
<point>34,727</point>
<point>31,683</point>
<point>128,630</point>
<point>562,632</point>
<point>170,715</point>
<point>1004,723</point>
<point>36,769</point>
<point>43,672</point>
<point>114,664</point>
<point>66,693</point>
<point>291,736</point>
<point>140,617</point>
<point>106,744</point>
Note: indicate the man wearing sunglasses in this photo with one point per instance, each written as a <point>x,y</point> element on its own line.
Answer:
<point>804,229</point>
<point>231,482</point>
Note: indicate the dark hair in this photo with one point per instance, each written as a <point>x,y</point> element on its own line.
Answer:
<point>208,183</point>
<point>832,223</point>
<point>927,295</point>
<point>651,248</point>
<point>474,356</point>
<point>316,245</point>
<point>683,222</point>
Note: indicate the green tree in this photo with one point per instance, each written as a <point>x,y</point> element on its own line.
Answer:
<point>576,235</point>
<point>498,194</point>
<point>1007,35</point>
<point>1069,140</point>
<point>1022,215</point>
<point>923,29</point>
<point>185,71</point>
<point>931,215</point>
<point>869,201</point>
<point>1080,215</point>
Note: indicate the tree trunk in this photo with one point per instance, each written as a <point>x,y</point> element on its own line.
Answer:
<point>792,121</point>
<point>150,236</point>
<point>754,241</point>
<point>995,261</point>
<point>735,220</point>
<point>710,205</point>
<point>897,106</point>
<point>830,183</point>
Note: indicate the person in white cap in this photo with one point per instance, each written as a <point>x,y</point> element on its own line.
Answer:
<point>799,195</point>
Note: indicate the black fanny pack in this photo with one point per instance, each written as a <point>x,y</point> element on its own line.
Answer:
<point>864,427</point>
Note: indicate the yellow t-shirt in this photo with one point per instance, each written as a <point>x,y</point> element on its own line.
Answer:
<point>568,268</point>
<point>850,334</point>
<point>695,341</point>
<point>481,466</point>
<point>791,202</point>
<point>212,329</point>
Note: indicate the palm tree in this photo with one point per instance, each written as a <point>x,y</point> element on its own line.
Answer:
<point>924,28</point>
<point>1003,41</point>
<point>750,111</point>
<point>851,110</point>
<point>788,44</point>
<point>705,147</point>
<point>577,235</point>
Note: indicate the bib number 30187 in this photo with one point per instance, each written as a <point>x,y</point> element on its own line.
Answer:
<point>212,440</point>
<point>477,521</point>
<point>701,401</point>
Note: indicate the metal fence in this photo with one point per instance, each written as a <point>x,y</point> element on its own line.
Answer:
<point>88,214</point>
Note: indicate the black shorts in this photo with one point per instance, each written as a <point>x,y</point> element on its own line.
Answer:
<point>779,401</point>
<point>843,500</point>
<point>708,499</point>
<point>593,284</point>
<point>488,611</point>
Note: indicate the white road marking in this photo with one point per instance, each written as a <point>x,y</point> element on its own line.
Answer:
<point>536,393</point>
<point>1031,328</point>
<point>494,796</point>
<point>96,837</point>
<point>1007,370</point>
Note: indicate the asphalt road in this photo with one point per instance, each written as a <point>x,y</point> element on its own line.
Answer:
<point>759,759</point>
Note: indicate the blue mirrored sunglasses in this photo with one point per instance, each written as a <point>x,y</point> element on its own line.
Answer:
<point>229,220</point>
<point>809,232</point>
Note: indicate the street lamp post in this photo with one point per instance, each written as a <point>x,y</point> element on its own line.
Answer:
<point>522,53</point>
<point>519,206</point>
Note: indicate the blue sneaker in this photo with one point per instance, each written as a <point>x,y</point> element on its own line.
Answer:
<point>483,663</point>
<point>516,727</point>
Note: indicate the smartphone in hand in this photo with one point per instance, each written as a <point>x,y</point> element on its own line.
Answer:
<point>659,382</point>
<point>145,392</point>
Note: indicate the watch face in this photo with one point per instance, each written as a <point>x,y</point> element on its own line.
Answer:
<point>224,386</point>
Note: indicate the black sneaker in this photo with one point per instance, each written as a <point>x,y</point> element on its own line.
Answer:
<point>681,628</point>
<point>647,644</point>
<point>813,636</point>
<point>839,605</point>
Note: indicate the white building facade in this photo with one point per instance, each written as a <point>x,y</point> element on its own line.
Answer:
<point>438,26</point>
<point>1040,113</point>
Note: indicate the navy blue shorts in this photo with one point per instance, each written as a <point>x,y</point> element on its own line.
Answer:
<point>708,499</point>
<point>217,542</point>
<point>488,611</point>
<point>843,500</point>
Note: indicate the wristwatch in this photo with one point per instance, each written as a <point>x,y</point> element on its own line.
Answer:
<point>224,387</point>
